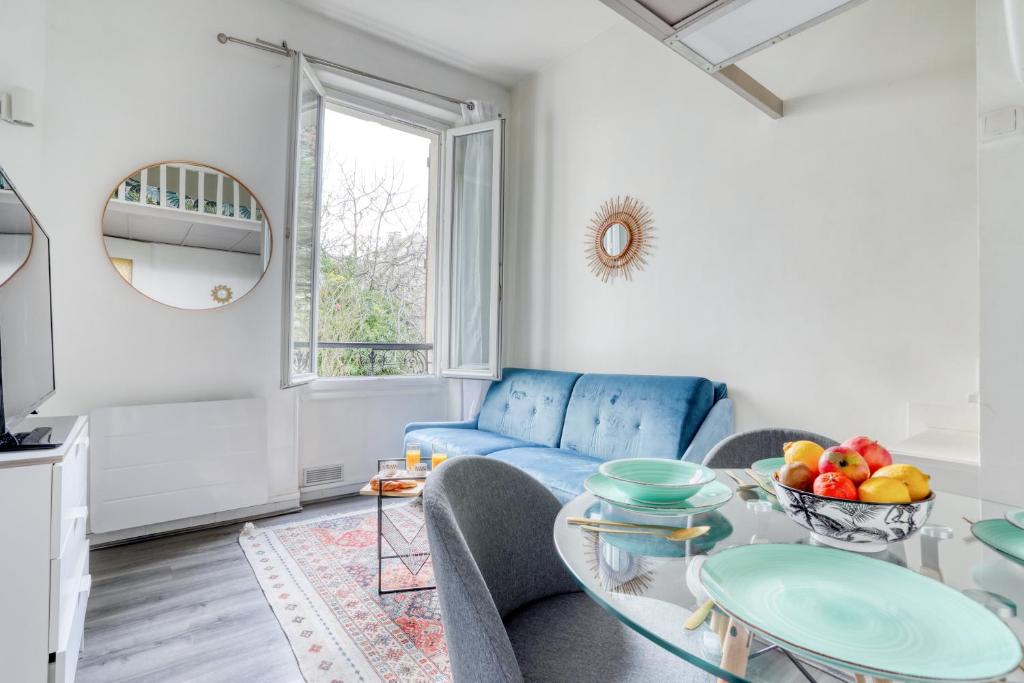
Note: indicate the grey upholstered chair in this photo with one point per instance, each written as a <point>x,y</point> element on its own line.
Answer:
<point>511,611</point>
<point>740,450</point>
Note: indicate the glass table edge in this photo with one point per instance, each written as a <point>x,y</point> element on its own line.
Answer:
<point>683,654</point>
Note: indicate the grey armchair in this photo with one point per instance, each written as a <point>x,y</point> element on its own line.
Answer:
<point>740,450</point>
<point>511,611</point>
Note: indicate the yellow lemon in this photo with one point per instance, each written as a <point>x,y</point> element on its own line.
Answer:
<point>806,452</point>
<point>915,479</point>
<point>883,490</point>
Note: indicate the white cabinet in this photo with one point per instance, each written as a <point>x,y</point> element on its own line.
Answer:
<point>44,573</point>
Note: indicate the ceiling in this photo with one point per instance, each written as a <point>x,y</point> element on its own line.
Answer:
<point>143,223</point>
<point>14,218</point>
<point>499,40</point>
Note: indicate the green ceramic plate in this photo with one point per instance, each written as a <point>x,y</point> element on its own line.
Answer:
<point>657,480</point>
<point>711,496</point>
<point>1001,535</point>
<point>1016,517</point>
<point>768,466</point>
<point>860,614</point>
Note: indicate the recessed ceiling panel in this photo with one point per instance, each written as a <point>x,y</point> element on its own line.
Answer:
<point>674,11</point>
<point>737,28</point>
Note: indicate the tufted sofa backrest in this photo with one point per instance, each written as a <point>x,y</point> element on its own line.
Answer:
<point>528,405</point>
<point>636,416</point>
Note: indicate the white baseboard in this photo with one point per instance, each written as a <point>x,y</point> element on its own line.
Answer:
<point>281,504</point>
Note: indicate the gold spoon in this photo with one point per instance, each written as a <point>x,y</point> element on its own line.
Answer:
<point>678,535</point>
<point>590,521</point>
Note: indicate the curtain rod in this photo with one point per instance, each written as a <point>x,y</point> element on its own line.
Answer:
<point>286,51</point>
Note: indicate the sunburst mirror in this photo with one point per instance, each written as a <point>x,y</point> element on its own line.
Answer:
<point>618,238</point>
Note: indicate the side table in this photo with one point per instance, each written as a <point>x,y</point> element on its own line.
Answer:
<point>403,543</point>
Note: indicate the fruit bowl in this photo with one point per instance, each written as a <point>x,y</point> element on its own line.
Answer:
<point>852,524</point>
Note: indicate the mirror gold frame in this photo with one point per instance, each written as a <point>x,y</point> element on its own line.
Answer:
<point>124,267</point>
<point>636,220</point>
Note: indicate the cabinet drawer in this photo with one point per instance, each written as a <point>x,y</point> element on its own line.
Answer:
<point>69,495</point>
<point>65,664</point>
<point>66,574</point>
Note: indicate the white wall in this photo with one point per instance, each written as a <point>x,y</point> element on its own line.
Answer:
<point>185,276</point>
<point>133,83</point>
<point>1001,218</point>
<point>23,43</point>
<point>824,265</point>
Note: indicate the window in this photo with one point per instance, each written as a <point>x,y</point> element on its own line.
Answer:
<point>377,243</point>
<point>474,230</point>
<point>394,242</point>
<point>303,224</point>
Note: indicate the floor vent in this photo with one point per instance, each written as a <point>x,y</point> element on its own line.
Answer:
<point>323,474</point>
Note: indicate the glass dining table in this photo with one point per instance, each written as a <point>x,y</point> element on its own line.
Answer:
<point>650,584</point>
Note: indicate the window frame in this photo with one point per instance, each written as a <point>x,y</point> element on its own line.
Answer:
<point>411,122</point>
<point>493,370</point>
<point>289,378</point>
<point>408,113</point>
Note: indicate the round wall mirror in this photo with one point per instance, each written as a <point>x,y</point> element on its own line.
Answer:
<point>618,241</point>
<point>15,230</point>
<point>187,235</point>
<point>615,239</point>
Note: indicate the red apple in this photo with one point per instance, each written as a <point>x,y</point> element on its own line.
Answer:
<point>835,485</point>
<point>845,460</point>
<point>874,453</point>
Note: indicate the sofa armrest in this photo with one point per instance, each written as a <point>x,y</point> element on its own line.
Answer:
<point>716,426</point>
<point>465,424</point>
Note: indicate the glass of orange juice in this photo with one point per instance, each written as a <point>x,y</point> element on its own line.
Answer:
<point>412,456</point>
<point>436,459</point>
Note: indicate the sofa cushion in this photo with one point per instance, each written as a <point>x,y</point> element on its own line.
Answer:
<point>461,441</point>
<point>528,405</point>
<point>631,416</point>
<point>561,471</point>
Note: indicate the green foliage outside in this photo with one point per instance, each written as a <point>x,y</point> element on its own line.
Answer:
<point>373,267</point>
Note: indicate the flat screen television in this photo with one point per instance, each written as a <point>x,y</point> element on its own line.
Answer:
<point>26,323</point>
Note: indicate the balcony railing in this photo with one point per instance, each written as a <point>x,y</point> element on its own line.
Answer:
<point>341,359</point>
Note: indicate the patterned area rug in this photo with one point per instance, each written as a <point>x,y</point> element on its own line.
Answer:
<point>320,577</point>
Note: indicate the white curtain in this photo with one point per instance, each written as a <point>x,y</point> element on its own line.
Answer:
<point>471,252</point>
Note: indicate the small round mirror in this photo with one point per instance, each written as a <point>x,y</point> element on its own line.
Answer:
<point>187,235</point>
<point>615,239</point>
<point>15,230</point>
<point>618,238</point>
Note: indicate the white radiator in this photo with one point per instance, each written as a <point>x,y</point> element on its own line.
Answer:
<point>159,463</point>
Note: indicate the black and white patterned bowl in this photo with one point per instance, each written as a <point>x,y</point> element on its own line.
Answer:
<point>852,524</point>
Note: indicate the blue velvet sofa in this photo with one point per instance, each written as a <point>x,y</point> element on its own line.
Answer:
<point>560,426</point>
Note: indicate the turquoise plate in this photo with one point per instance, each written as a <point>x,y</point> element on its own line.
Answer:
<point>1016,518</point>
<point>711,496</point>
<point>657,480</point>
<point>1002,536</point>
<point>768,466</point>
<point>860,614</point>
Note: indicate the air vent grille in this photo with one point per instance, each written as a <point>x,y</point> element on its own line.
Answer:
<point>323,474</point>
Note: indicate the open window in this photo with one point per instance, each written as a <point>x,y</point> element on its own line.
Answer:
<point>393,243</point>
<point>473,222</point>
<point>303,228</point>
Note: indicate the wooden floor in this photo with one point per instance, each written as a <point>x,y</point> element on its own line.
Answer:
<point>188,608</point>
